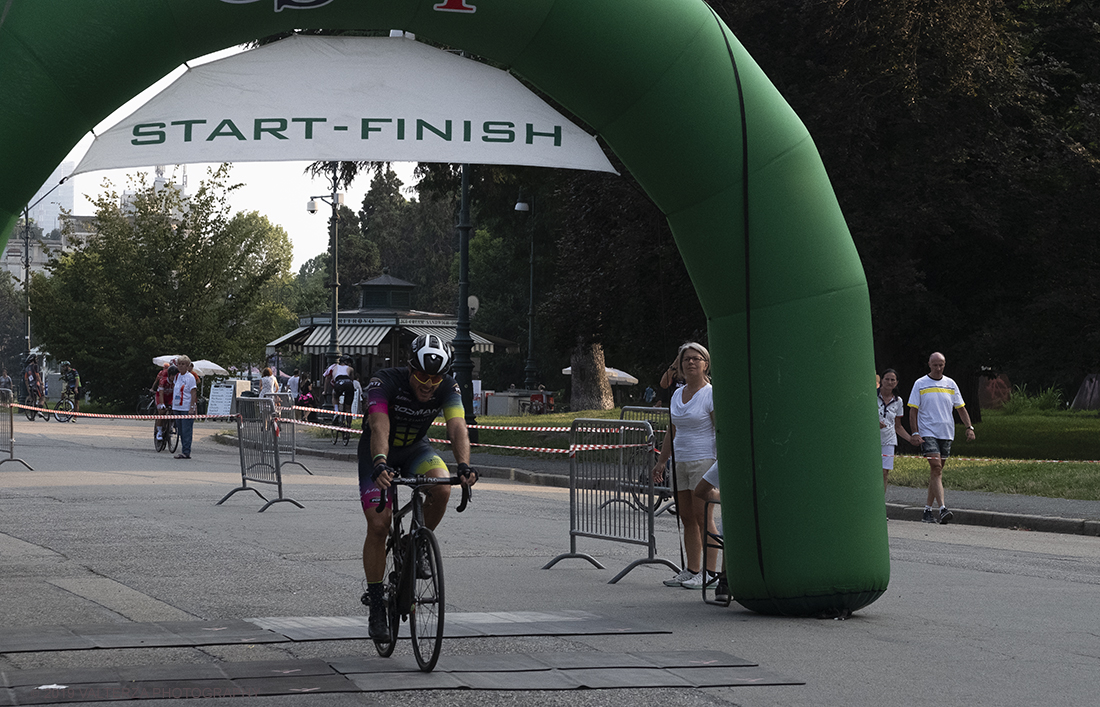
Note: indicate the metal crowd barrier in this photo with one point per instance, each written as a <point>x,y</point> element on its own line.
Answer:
<point>258,431</point>
<point>7,428</point>
<point>288,445</point>
<point>661,421</point>
<point>611,492</point>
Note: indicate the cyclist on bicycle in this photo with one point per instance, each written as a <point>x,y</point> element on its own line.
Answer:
<point>70,380</point>
<point>32,378</point>
<point>401,405</point>
<point>162,393</point>
<point>342,378</point>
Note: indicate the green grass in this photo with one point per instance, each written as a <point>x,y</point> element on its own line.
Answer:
<point>1013,452</point>
<point>523,438</point>
<point>1016,453</point>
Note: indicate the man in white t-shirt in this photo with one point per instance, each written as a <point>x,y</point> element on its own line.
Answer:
<point>292,387</point>
<point>185,401</point>
<point>933,427</point>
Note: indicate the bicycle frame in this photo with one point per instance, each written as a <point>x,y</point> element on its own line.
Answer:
<point>415,585</point>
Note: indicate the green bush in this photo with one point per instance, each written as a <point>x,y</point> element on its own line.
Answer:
<point>1021,402</point>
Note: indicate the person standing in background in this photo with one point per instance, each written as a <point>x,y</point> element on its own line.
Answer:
<point>693,436</point>
<point>292,387</point>
<point>185,402</point>
<point>890,412</point>
<point>933,398</point>
<point>268,384</point>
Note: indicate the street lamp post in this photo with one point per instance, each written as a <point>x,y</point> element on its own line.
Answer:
<point>463,343</point>
<point>336,200</point>
<point>530,370</point>
<point>27,261</point>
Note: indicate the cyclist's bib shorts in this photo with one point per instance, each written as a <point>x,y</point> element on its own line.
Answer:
<point>415,460</point>
<point>343,390</point>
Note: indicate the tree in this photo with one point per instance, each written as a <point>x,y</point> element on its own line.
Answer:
<point>961,136</point>
<point>415,239</point>
<point>13,345</point>
<point>166,274</point>
<point>312,291</point>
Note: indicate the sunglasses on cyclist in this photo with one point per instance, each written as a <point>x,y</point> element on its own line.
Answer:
<point>430,380</point>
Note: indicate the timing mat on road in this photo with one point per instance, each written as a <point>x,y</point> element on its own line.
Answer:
<point>176,634</point>
<point>533,671</point>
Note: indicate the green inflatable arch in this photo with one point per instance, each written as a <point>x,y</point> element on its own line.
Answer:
<point>670,90</point>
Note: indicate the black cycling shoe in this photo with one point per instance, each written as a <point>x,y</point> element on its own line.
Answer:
<point>423,565</point>
<point>378,627</point>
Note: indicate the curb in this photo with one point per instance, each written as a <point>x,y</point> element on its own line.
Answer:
<point>995,519</point>
<point>894,511</point>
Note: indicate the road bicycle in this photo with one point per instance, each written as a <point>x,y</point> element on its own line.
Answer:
<point>413,588</point>
<point>33,401</point>
<point>341,419</point>
<point>65,407</point>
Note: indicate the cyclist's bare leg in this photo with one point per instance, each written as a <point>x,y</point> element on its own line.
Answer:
<point>374,546</point>
<point>435,501</point>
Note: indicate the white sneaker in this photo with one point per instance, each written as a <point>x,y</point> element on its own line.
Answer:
<point>679,579</point>
<point>696,582</point>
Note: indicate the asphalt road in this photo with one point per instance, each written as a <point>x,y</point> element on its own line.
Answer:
<point>106,530</point>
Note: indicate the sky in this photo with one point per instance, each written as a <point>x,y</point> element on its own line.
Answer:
<point>278,190</point>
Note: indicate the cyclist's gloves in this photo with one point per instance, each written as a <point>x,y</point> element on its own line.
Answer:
<point>464,471</point>
<point>378,469</point>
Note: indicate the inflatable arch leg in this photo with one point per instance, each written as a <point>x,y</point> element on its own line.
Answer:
<point>673,93</point>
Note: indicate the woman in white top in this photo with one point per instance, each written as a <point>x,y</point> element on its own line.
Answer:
<point>692,433</point>
<point>268,384</point>
<point>890,411</point>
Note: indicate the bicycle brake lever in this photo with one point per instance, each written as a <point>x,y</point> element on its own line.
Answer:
<point>467,494</point>
<point>382,501</point>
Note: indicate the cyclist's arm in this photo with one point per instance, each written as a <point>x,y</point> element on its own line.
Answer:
<point>460,439</point>
<point>380,444</point>
<point>379,433</point>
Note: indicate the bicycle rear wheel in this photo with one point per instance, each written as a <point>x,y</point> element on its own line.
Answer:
<point>30,402</point>
<point>426,613</point>
<point>63,410</point>
<point>389,596</point>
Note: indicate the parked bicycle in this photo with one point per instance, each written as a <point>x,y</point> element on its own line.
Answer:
<point>63,411</point>
<point>414,589</point>
<point>34,401</point>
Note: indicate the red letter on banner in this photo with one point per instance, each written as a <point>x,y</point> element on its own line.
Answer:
<point>454,6</point>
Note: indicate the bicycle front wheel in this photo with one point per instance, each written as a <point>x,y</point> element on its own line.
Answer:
<point>63,411</point>
<point>172,436</point>
<point>159,442</point>
<point>426,614</point>
<point>389,594</point>
<point>30,402</point>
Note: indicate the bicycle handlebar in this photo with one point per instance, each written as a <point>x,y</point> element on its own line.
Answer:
<point>416,482</point>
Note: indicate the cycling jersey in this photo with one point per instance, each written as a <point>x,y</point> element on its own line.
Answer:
<point>390,393</point>
<point>71,379</point>
<point>338,370</point>
<point>31,379</point>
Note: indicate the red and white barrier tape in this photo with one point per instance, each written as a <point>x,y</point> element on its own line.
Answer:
<point>1014,461</point>
<point>73,413</point>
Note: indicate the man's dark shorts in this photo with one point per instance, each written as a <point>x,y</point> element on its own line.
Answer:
<point>930,447</point>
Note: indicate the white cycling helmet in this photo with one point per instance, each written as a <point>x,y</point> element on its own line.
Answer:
<point>431,355</point>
